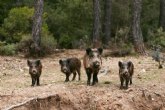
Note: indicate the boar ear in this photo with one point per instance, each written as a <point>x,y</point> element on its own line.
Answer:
<point>129,63</point>
<point>88,50</point>
<point>100,50</point>
<point>38,62</point>
<point>28,62</point>
<point>68,60</point>
<point>60,62</point>
<point>120,64</point>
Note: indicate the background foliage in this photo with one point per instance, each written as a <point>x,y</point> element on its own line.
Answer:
<point>67,21</point>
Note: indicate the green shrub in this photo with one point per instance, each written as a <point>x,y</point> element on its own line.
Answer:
<point>3,34</point>
<point>157,38</point>
<point>18,22</point>
<point>2,43</point>
<point>65,41</point>
<point>8,50</point>
<point>69,21</point>
<point>48,44</point>
<point>122,35</point>
<point>47,39</point>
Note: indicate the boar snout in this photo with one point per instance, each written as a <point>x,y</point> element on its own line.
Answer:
<point>126,73</point>
<point>64,69</point>
<point>34,71</point>
<point>96,64</point>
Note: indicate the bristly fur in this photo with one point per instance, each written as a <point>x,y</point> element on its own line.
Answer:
<point>92,62</point>
<point>126,71</point>
<point>36,66</point>
<point>71,65</point>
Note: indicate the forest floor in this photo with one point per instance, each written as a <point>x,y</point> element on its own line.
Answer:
<point>146,93</point>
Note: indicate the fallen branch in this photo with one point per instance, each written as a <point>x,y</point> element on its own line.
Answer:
<point>32,99</point>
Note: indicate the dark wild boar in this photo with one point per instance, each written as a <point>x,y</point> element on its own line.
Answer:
<point>158,56</point>
<point>35,69</point>
<point>92,63</point>
<point>70,65</point>
<point>126,70</point>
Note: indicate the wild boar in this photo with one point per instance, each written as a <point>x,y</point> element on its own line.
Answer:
<point>35,69</point>
<point>70,65</point>
<point>126,71</point>
<point>92,63</point>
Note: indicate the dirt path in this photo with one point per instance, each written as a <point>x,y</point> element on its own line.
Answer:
<point>146,93</point>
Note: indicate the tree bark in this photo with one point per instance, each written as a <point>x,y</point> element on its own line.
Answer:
<point>162,14</point>
<point>96,24</point>
<point>107,22</point>
<point>37,25</point>
<point>136,29</point>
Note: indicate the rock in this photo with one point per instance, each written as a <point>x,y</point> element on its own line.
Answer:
<point>4,74</point>
<point>139,76</point>
<point>157,94</point>
<point>119,96</point>
<point>21,70</point>
<point>129,90</point>
<point>143,71</point>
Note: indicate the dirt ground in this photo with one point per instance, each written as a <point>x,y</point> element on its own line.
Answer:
<point>146,93</point>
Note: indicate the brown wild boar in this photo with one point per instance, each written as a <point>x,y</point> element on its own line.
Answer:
<point>70,65</point>
<point>35,69</point>
<point>126,70</point>
<point>92,63</point>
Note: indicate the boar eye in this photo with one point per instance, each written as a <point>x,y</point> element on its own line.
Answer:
<point>122,67</point>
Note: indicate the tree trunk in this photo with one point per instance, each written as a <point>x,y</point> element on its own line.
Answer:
<point>37,25</point>
<point>96,24</point>
<point>136,29</point>
<point>162,14</point>
<point>107,22</point>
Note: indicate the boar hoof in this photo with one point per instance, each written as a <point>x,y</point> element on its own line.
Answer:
<point>121,87</point>
<point>93,84</point>
<point>66,80</point>
<point>88,83</point>
<point>126,87</point>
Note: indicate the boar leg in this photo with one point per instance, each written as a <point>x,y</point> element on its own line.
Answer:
<point>67,77</point>
<point>130,80</point>
<point>38,81</point>
<point>126,83</point>
<point>79,74</point>
<point>88,72</point>
<point>74,75</point>
<point>122,81</point>
<point>94,78</point>
<point>33,81</point>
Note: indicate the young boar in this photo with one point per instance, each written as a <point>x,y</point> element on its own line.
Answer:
<point>35,69</point>
<point>126,70</point>
<point>70,65</point>
<point>157,56</point>
<point>92,63</point>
